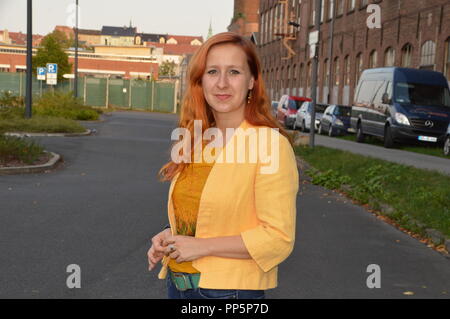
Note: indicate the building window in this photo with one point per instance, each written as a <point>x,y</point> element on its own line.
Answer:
<point>300,76</point>
<point>313,13</point>
<point>427,55</point>
<point>330,9</point>
<point>294,75</point>
<point>308,74</point>
<point>339,7</point>
<point>326,73</point>
<point>389,57</point>
<point>336,71</point>
<point>373,59</point>
<point>364,3</point>
<point>447,59</point>
<point>406,55</point>
<point>322,11</point>
<point>346,70</point>
<point>358,67</point>
<point>351,5</point>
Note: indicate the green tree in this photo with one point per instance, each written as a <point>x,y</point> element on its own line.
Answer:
<point>51,51</point>
<point>167,68</point>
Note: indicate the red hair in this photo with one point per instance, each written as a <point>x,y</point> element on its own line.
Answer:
<point>194,106</point>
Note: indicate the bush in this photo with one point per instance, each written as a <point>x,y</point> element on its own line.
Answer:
<point>60,104</point>
<point>9,99</point>
<point>18,149</point>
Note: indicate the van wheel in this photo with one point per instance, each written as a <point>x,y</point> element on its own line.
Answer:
<point>388,140</point>
<point>359,134</point>
<point>319,131</point>
<point>447,146</point>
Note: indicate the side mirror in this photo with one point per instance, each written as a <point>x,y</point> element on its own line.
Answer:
<point>385,99</point>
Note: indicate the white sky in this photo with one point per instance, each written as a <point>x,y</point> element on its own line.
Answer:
<point>178,17</point>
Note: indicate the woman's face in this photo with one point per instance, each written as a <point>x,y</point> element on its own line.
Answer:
<point>227,79</point>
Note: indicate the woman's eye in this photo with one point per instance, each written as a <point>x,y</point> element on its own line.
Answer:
<point>235,72</point>
<point>211,71</point>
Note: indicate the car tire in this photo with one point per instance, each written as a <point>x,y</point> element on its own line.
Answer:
<point>319,131</point>
<point>447,146</point>
<point>359,134</point>
<point>330,131</point>
<point>304,127</point>
<point>294,126</point>
<point>388,139</point>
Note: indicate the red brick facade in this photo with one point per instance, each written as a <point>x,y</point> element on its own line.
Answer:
<point>417,26</point>
<point>245,17</point>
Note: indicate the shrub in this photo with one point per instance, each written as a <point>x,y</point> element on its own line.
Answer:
<point>16,148</point>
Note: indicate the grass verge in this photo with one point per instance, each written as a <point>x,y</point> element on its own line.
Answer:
<point>39,124</point>
<point>19,150</point>
<point>416,199</point>
<point>427,149</point>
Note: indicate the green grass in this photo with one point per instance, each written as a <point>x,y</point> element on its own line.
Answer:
<point>39,124</point>
<point>18,149</point>
<point>430,149</point>
<point>420,198</point>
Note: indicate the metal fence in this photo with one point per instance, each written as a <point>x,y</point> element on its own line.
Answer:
<point>102,92</point>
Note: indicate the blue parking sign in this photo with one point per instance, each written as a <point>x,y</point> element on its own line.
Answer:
<point>41,71</point>
<point>52,68</point>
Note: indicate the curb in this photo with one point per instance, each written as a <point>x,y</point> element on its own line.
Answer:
<point>28,134</point>
<point>435,236</point>
<point>32,168</point>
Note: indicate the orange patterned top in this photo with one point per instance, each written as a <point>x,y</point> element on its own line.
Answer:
<point>186,199</point>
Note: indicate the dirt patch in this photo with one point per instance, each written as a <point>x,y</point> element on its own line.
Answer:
<point>42,159</point>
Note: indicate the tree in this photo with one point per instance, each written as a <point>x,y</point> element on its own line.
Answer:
<point>167,68</point>
<point>51,51</point>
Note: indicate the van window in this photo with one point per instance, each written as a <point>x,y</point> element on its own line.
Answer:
<point>294,104</point>
<point>367,91</point>
<point>422,94</point>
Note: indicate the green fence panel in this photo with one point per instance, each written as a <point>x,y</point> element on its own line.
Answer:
<point>10,82</point>
<point>164,97</point>
<point>118,92</point>
<point>96,91</point>
<point>141,94</point>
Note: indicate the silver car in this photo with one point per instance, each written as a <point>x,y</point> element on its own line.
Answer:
<point>303,118</point>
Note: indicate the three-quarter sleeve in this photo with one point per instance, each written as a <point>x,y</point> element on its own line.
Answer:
<point>272,241</point>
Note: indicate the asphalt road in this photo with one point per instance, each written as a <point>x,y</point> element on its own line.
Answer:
<point>100,208</point>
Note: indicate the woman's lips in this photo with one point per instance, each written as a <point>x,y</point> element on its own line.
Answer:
<point>222,97</point>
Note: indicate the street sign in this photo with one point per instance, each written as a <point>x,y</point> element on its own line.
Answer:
<point>52,73</point>
<point>69,76</point>
<point>41,73</point>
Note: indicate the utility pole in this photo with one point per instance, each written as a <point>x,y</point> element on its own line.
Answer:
<point>75,85</point>
<point>28,97</point>
<point>318,7</point>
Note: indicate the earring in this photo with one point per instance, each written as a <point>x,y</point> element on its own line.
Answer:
<point>249,97</point>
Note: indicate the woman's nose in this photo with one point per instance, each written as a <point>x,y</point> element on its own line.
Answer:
<point>222,80</point>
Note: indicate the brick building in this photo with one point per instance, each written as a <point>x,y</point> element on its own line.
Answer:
<point>245,19</point>
<point>413,33</point>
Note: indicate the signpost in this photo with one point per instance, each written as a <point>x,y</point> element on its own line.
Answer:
<point>52,73</point>
<point>41,73</point>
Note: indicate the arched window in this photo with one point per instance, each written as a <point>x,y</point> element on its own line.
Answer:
<point>427,55</point>
<point>294,75</point>
<point>373,59</point>
<point>358,67</point>
<point>447,59</point>
<point>300,76</point>
<point>308,75</point>
<point>389,57</point>
<point>347,70</point>
<point>406,55</point>
<point>336,71</point>
<point>326,73</point>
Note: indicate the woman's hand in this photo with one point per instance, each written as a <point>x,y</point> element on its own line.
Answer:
<point>156,252</point>
<point>187,248</point>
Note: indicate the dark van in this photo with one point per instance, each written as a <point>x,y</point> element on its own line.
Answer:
<point>401,104</point>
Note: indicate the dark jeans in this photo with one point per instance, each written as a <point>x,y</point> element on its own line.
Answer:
<point>202,293</point>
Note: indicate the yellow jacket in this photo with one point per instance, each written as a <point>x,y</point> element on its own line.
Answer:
<point>238,199</point>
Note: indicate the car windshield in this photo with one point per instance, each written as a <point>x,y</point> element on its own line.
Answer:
<point>342,111</point>
<point>294,104</point>
<point>422,94</point>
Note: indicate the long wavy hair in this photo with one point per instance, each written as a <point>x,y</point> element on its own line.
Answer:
<point>195,107</point>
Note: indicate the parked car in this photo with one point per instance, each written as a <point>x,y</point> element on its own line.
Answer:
<point>303,118</point>
<point>335,120</point>
<point>274,108</point>
<point>287,109</point>
<point>401,104</point>
<point>447,142</point>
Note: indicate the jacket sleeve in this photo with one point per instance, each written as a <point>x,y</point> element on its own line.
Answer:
<point>272,241</point>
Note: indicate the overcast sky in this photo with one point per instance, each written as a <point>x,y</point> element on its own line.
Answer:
<point>178,17</point>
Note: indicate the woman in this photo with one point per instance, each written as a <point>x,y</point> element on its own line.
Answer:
<point>231,223</point>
